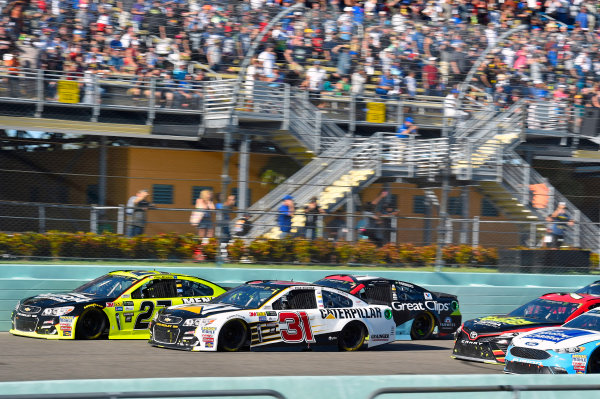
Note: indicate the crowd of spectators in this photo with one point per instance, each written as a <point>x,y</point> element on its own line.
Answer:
<point>385,48</point>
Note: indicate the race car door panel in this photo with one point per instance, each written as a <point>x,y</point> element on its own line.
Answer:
<point>145,302</point>
<point>296,317</point>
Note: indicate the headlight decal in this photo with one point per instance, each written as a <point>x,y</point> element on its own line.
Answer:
<point>58,311</point>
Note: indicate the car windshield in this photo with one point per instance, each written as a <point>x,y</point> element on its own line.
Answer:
<point>587,321</point>
<point>108,285</point>
<point>343,285</point>
<point>247,296</point>
<point>592,289</point>
<point>545,310</point>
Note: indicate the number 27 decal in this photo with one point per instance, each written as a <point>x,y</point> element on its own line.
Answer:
<point>295,327</point>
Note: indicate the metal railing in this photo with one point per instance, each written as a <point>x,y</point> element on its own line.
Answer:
<point>139,100</point>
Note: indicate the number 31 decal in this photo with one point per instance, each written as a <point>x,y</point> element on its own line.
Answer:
<point>295,327</point>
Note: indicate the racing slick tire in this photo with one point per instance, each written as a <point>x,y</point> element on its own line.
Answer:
<point>593,366</point>
<point>352,337</point>
<point>232,336</point>
<point>422,326</point>
<point>91,324</point>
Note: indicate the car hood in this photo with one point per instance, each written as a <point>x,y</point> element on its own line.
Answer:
<point>196,310</point>
<point>554,338</point>
<point>62,299</point>
<point>498,324</point>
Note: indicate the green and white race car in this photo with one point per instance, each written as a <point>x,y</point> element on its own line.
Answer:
<point>120,303</point>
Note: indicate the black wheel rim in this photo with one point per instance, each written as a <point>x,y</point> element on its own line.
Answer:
<point>91,325</point>
<point>422,326</point>
<point>351,337</point>
<point>232,336</point>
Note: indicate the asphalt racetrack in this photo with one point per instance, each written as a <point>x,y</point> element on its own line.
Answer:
<point>29,359</point>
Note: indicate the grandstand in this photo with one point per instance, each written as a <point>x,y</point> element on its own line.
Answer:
<point>326,92</point>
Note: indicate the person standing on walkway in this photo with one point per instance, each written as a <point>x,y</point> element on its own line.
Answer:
<point>137,205</point>
<point>286,211</point>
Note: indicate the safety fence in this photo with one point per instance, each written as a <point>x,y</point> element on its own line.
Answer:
<point>387,227</point>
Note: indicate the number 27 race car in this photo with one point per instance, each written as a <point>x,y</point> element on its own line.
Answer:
<point>121,303</point>
<point>271,315</point>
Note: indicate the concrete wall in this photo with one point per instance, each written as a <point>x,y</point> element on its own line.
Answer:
<point>479,293</point>
<point>316,387</point>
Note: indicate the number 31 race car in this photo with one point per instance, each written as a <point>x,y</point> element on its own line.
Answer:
<point>409,302</point>
<point>120,302</point>
<point>271,315</point>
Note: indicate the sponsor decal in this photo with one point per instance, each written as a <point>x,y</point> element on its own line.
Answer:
<point>271,313</point>
<point>195,300</point>
<point>387,314</point>
<point>79,298</point>
<point>516,321</point>
<point>417,306</point>
<point>208,338</point>
<point>209,344</point>
<point>379,337</point>
<point>179,290</point>
<point>454,306</point>
<point>110,304</point>
<point>531,343</point>
<point>127,303</point>
<point>128,317</point>
<point>66,323</point>
<point>491,323</point>
<point>331,338</point>
<point>467,342</point>
<point>124,296</point>
<point>428,296</point>
<point>208,330</point>
<point>558,335</point>
<point>473,335</point>
<point>262,318</point>
<point>579,362</point>
<point>129,307</point>
<point>350,313</point>
<point>258,314</point>
<point>530,361</point>
<point>92,305</point>
<point>66,333</point>
<point>447,323</point>
<point>119,309</point>
<point>166,325</point>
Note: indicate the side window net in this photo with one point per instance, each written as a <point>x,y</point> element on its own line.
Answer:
<point>378,294</point>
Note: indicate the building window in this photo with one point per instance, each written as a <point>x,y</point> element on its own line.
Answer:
<point>92,194</point>
<point>488,208</point>
<point>162,193</point>
<point>196,190</point>
<point>419,204</point>
<point>455,206</point>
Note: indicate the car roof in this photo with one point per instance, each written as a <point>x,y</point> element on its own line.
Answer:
<point>570,297</point>
<point>279,283</point>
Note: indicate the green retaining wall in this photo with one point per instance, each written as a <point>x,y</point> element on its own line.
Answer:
<point>479,293</point>
<point>315,387</point>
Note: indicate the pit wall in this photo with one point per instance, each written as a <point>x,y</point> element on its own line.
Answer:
<point>479,294</point>
<point>322,387</point>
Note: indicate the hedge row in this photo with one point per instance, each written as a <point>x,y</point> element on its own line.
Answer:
<point>59,245</point>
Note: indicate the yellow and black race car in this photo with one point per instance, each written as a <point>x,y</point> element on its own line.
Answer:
<point>120,303</point>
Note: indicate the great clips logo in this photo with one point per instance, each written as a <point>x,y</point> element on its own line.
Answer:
<point>416,306</point>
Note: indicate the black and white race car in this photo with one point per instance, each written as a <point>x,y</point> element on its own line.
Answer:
<point>427,310</point>
<point>271,315</point>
